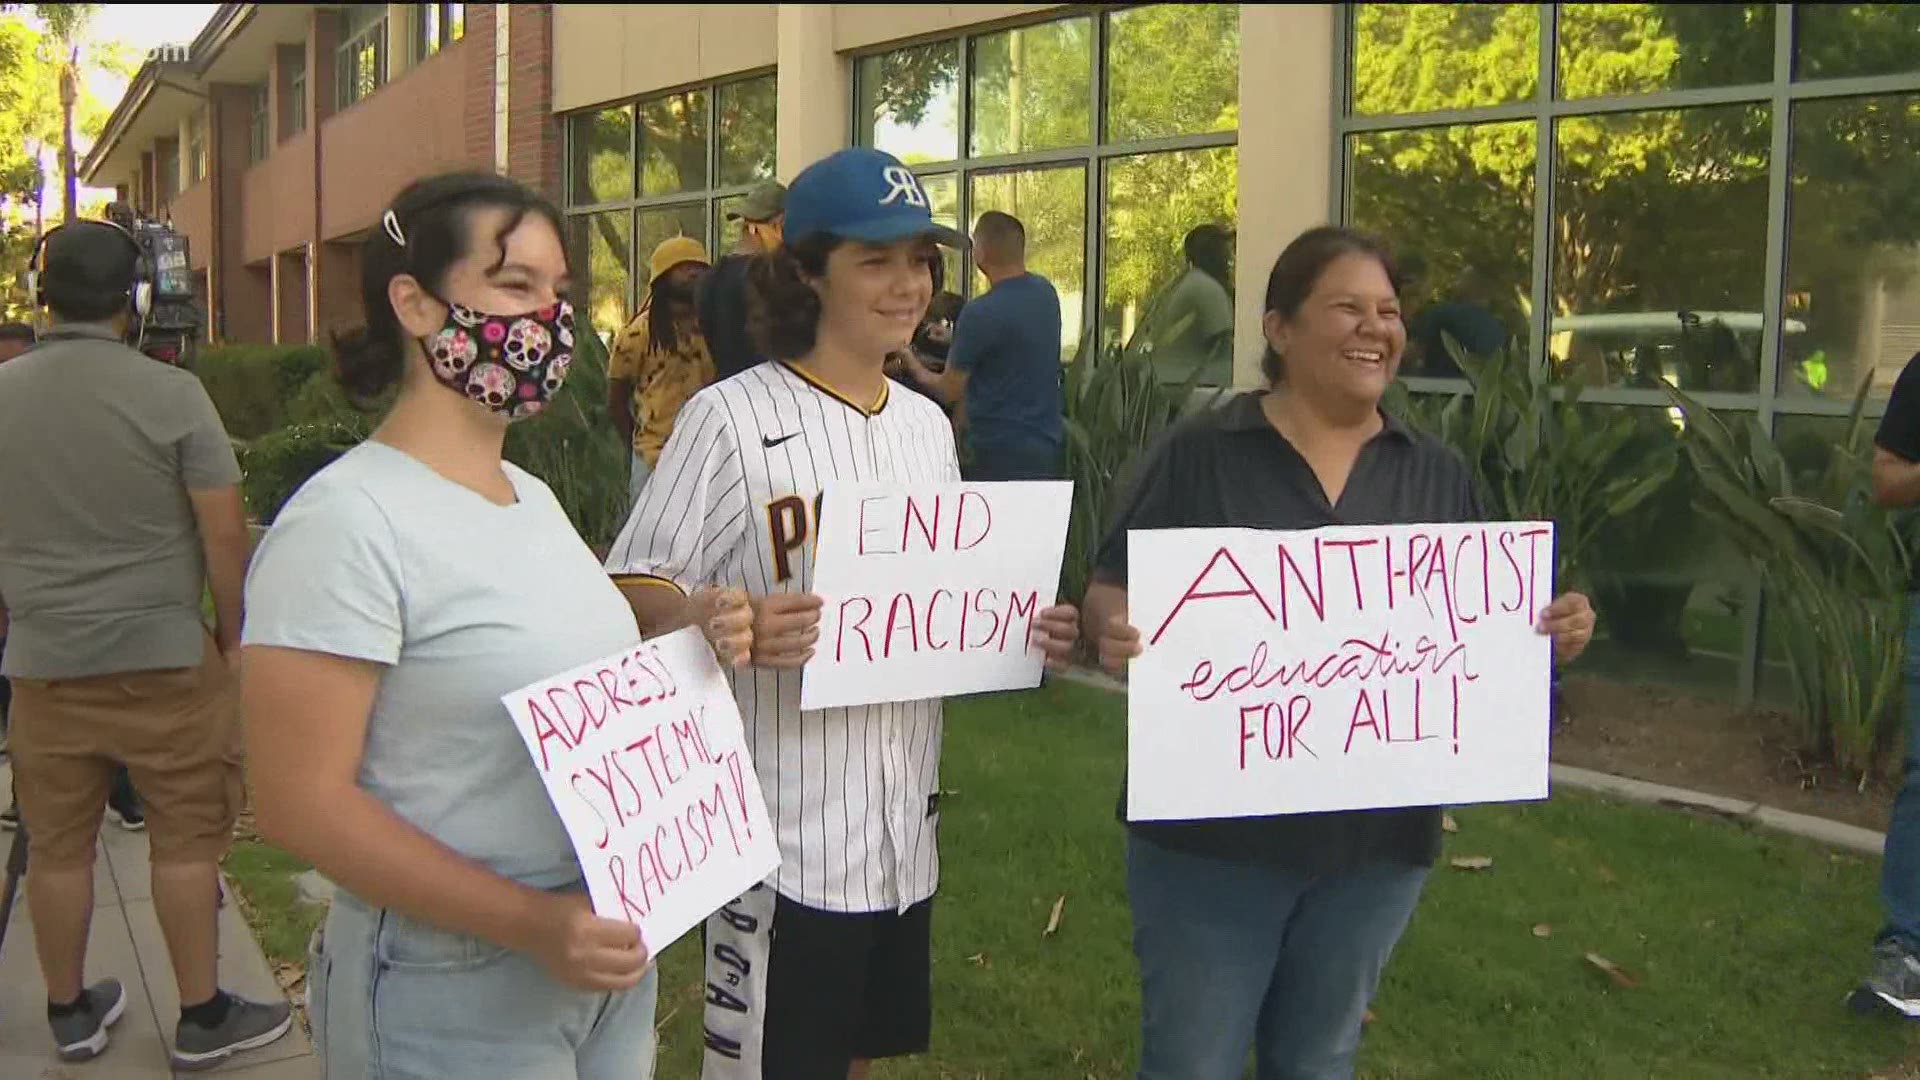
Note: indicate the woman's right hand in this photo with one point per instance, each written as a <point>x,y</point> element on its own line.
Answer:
<point>785,627</point>
<point>585,951</point>
<point>1119,643</point>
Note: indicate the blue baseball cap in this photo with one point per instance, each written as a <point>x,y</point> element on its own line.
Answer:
<point>863,194</point>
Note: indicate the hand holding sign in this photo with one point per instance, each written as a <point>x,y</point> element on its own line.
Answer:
<point>643,755</point>
<point>726,617</point>
<point>587,952</point>
<point>1339,669</point>
<point>785,628</point>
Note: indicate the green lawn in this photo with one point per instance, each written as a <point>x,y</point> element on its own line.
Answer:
<point>1743,943</point>
<point>264,876</point>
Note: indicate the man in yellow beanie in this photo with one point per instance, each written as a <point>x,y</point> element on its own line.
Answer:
<point>661,359</point>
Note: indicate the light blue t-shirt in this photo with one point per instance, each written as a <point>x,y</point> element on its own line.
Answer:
<point>380,558</point>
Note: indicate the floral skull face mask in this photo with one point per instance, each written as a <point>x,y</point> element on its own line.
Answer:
<point>512,364</point>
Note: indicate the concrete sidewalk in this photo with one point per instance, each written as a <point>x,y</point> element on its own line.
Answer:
<point>126,944</point>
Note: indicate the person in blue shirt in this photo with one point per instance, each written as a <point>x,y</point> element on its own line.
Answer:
<point>1004,364</point>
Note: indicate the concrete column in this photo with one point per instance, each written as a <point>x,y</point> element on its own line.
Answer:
<point>1286,148</point>
<point>814,88</point>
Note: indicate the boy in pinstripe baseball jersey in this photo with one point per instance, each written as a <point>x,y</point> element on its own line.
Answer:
<point>825,966</point>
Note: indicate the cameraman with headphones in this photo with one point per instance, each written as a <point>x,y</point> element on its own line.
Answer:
<point>119,505</point>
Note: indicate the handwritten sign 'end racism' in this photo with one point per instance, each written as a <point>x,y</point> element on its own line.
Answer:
<point>933,590</point>
<point>1337,669</point>
<point>644,757</point>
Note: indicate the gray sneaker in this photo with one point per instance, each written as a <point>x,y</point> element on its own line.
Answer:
<point>249,1025</point>
<point>1894,985</point>
<point>83,1035</point>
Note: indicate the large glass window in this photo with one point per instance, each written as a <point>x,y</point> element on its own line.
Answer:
<point>296,120</point>
<point>1713,197</point>
<point>259,144</point>
<point>1852,303</point>
<point>640,172</point>
<point>1110,135</point>
<point>360,63</point>
<point>197,146</point>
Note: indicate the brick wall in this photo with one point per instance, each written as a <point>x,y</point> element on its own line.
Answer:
<point>533,132</point>
<point>477,88</point>
<point>239,301</point>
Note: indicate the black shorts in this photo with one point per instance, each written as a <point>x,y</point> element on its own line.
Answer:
<point>795,993</point>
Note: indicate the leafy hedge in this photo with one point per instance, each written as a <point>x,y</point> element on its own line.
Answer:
<point>289,419</point>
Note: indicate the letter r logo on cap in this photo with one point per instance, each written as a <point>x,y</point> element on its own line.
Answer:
<point>901,183</point>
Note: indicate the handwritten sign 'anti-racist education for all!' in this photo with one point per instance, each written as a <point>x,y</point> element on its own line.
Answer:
<point>644,758</point>
<point>933,590</point>
<point>1337,669</point>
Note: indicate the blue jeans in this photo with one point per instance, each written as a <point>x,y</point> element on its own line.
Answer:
<point>1900,865</point>
<point>1239,956</point>
<point>391,998</point>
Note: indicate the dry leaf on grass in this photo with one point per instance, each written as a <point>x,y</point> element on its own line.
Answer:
<point>1543,931</point>
<point>980,960</point>
<point>1368,1019</point>
<point>1473,862</point>
<point>1447,823</point>
<point>1612,971</point>
<point>1053,920</point>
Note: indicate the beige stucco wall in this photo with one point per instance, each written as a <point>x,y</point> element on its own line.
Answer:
<point>859,26</point>
<point>1286,152</point>
<point>617,51</point>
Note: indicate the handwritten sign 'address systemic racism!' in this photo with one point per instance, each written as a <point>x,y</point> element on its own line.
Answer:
<point>1337,669</point>
<point>933,590</point>
<point>643,756</point>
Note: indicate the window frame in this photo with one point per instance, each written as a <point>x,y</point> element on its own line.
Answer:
<point>360,31</point>
<point>259,126</point>
<point>1093,156</point>
<point>709,198</point>
<point>196,147</point>
<point>296,100</point>
<point>435,27</point>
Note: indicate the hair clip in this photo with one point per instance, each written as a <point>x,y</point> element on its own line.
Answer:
<point>391,222</point>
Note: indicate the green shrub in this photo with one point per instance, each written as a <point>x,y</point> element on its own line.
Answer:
<point>1835,565</point>
<point>276,464</point>
<point>1116,407</point>
<point>1539,455</point>
<point>574,448</point>
<point>251,385</point>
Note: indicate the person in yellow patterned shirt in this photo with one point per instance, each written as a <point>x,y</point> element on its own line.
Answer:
<point>661,359</point>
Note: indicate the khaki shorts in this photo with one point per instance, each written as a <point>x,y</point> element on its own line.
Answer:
<point>177,732</point>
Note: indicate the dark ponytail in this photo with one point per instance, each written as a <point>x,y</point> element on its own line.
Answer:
<point>1298,270</point>
<point>433,218</point>
<point>783,311</point>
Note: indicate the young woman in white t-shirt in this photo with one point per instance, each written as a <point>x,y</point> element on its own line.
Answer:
<point>400,593</point>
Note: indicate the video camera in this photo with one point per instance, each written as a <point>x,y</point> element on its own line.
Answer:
<point>173,326</point>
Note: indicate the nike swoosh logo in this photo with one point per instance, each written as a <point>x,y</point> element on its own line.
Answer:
<point>770,441</point>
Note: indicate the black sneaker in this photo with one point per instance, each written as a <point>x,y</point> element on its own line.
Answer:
<point>82,1034</point>
<point>249,1025</point>
<point>126,812</point>
<point>1894,985</point>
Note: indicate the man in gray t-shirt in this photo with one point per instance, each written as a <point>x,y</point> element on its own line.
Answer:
<point>120,510</point>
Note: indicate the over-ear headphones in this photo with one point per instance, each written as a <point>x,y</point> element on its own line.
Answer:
<point>139,290</point>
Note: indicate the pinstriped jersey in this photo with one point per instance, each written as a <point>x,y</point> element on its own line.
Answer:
<point>735,502</point>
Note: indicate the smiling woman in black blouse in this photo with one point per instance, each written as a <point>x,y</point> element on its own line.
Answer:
<point>1271,932</point>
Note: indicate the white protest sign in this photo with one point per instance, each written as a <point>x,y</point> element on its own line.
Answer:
<point>1337,669</point>
<point>932,590</point>
<point>644,758</point>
